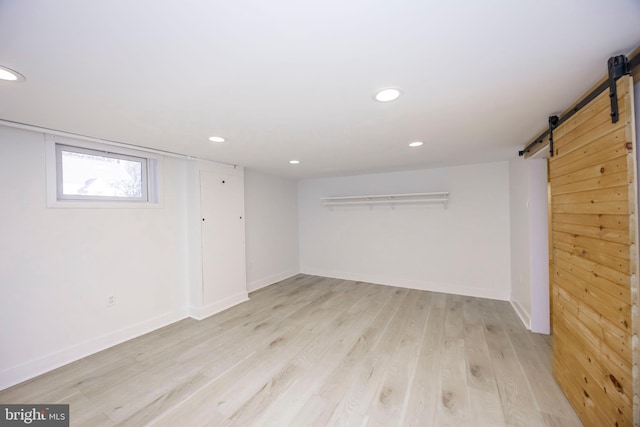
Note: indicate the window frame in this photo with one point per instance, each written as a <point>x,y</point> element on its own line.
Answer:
<point>151,175</point>
<point>144,163</point>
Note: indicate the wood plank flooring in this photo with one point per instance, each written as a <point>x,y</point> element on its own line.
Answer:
<point>312,351</point>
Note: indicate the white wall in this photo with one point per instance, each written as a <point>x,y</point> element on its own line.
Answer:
<point>464,249</point>
<point>520,262</point>
<point>529,242</point>
<point>271,209</point>
<point>58,266</point>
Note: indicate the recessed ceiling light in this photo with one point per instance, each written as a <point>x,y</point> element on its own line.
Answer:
<point>216,139</point>
<point>294,162</point>
<point>415,144</point>
<point>388,94</point>
<point>9,75</point>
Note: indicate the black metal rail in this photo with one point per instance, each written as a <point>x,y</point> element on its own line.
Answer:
<point>617,66</point>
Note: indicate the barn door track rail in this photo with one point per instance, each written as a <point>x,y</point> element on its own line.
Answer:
<point>617,66</point>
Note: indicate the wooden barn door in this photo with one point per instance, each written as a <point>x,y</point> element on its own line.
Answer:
<point>595,258</point>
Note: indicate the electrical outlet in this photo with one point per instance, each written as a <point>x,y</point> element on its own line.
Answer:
<point>111,300</point>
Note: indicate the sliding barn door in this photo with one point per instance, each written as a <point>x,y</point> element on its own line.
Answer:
<point>595,283</point>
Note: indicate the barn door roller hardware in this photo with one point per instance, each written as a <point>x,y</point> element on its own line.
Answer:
<point>617,66</point>
<point>553,123</point>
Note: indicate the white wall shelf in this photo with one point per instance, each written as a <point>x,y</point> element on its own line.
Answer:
<point>387,199</point>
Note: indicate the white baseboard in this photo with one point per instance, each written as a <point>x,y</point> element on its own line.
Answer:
<point>200,313</point>
<point>447,288</point>
<point>17,374</point>
<point>522,314</point>
<point>254,285</point>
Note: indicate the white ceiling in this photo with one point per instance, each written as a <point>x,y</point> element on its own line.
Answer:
<point>287,79</point>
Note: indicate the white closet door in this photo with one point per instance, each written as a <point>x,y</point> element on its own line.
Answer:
<point>223,247</point>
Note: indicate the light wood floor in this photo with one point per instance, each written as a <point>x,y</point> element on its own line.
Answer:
<point>311,351</point>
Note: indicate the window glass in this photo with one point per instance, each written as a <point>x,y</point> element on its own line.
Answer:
<point>95,175</point>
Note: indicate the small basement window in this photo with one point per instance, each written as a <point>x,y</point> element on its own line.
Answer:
<point>111,176</point>
<point>84,174</point>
